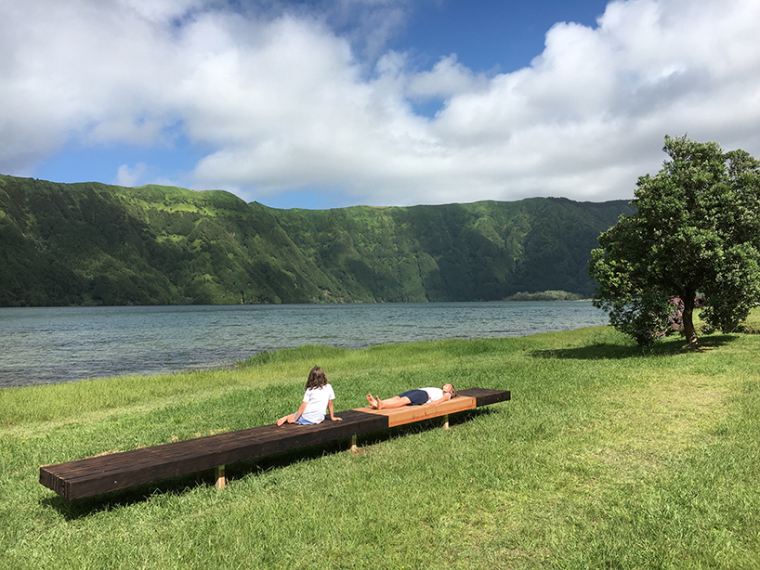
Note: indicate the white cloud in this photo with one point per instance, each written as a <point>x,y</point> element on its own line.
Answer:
<point>447,78</point>
<point>288,102</point>
<point>126,176</point>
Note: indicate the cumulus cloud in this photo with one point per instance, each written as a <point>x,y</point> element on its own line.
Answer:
<point>127,176</point>
<point>288,99</point>
<point>447,78</point>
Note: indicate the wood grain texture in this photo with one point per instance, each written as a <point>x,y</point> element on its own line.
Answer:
<point>411,414</point>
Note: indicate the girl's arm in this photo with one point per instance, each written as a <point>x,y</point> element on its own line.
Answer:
<point>332,416</point>
<point>300,411</point>
<point>446,396</point>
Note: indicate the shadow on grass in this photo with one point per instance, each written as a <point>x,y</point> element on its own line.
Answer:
<point>617,351</point>
<point>82,508</point>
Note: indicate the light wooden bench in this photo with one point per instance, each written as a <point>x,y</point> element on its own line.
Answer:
<point>411,414</point>
<point>105,473</point>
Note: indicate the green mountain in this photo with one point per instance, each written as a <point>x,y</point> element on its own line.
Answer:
<point>90,243</point>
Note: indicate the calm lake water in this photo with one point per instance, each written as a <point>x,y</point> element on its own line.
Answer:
<point>42,345</point>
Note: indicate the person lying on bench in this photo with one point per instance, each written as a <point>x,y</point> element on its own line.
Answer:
<point>319,396</point>
<point>421,397</point>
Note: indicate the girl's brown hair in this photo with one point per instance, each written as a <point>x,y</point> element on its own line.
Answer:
<point>317,378</point>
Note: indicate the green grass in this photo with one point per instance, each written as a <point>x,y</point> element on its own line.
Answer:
<point>607,457</point>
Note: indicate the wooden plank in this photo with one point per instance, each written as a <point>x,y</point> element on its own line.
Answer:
<point>411,414</point>
<point>486,396</point>
<point>92,476</point>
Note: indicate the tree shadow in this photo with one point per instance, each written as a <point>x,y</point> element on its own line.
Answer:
<point>608,351</point>
<point>76,509</point>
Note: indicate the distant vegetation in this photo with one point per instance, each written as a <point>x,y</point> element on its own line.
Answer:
<point>94,244</point>
<point>545,296</point>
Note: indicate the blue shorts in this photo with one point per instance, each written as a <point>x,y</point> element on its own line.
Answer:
<point>416,397</point>
<point>302,422</point>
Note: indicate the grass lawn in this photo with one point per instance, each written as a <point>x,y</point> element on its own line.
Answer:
<point>607,456</point>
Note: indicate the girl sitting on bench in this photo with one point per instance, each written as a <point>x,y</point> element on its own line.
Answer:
<point>319,396</point>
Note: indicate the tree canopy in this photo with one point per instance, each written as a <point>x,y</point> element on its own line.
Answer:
<point>695,232</point>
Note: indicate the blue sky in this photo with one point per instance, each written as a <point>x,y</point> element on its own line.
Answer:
<point>489,35</point>
<point>332,103</point>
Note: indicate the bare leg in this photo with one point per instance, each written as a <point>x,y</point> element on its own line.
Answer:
<point>289,419</point>
<point>395,402</point>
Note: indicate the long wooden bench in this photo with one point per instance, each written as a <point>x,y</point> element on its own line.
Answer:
<point>105,473</point>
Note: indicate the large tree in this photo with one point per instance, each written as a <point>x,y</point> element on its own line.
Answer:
<point>696,232</point>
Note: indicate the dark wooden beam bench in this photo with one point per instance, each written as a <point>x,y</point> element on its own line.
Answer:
<point>104,473</point>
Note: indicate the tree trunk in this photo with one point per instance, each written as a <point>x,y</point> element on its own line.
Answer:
<point>688,321</point>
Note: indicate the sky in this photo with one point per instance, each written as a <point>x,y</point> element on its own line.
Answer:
<point>332,103</point>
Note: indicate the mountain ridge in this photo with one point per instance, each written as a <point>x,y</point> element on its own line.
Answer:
<point>97,244</point>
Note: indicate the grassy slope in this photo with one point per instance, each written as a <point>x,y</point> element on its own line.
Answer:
<point>91,243</point>
<point>605,457</point>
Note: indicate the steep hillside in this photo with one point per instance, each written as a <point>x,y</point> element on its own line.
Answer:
<point>91,243</point>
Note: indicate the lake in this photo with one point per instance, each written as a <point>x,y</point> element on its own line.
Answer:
<point>44,345</point>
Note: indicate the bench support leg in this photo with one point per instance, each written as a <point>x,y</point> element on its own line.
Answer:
<point>446,421</point>
<point>354,449</point>
<point>221,480</point>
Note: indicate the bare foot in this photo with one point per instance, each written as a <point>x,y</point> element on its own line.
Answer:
<point>379,404</point>
<point>373,402</point>
<point>282,421</point>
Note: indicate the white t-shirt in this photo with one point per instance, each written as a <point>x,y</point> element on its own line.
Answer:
<point>433,393</point>
<point>316,403</point>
